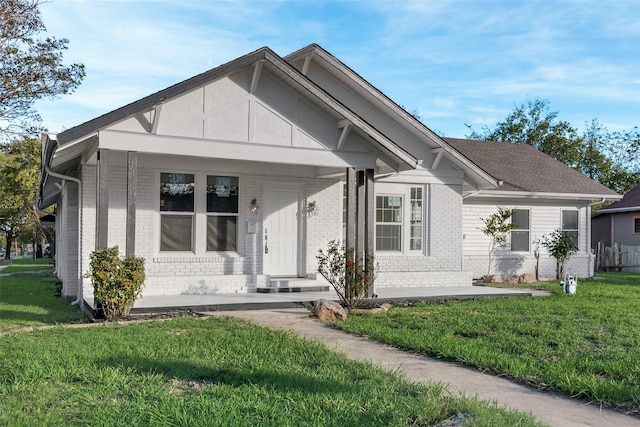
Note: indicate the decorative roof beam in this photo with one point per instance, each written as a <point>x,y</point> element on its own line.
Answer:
<point>305,66</point>
<point>438,152</point>
<point>156,118</point>
<point>257,69</point>
<point>345,132</point>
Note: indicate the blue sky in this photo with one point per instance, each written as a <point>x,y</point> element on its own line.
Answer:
<point>454,62</point>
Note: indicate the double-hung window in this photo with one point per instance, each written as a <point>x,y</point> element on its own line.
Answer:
<point>222,212</point>
<point>415,235</point>
<point>636,225</point>
<point>570,225</point>
<point>520,232</point>
<point>177,209</point>
<point>389,223</point>
<point>400,219</point>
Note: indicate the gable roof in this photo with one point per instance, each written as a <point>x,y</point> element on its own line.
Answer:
<point>394,111</point>
<point>524,169</point>
<point>630,202</point>
<point>277,65</point>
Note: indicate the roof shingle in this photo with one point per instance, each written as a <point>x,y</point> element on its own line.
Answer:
<point>631,199</point>
<point>523,168</point>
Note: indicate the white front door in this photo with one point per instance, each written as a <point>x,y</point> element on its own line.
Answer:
<point>281,232</point>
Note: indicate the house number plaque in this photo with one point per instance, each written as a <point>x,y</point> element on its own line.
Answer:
<point>266,248</point>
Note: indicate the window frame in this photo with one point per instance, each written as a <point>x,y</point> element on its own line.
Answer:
<point>400,224</point>
<point>200,215</point>
<point>404,191</point>
<point>635,224</point>
<point>176,213</point>
<point>222,214</point>
<point>576,230</point>
<point>521,230</point>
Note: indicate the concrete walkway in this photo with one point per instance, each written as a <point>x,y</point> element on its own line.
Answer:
<point>549,408</point>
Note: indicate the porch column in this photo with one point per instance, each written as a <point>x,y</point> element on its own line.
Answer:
<point>369,225</point>
<point>132,184</point>
<point>350,238</point>
<point>361,208</point>
<point>361,216</point>
<point>102,208</point>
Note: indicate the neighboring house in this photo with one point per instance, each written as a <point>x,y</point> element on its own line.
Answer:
<point>546,194</point>
<point>618,222</point>
<point>239,175</point>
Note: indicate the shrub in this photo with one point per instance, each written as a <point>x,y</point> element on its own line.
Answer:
<point>116,281</point>
<point>561,246</point>
<point>350,275</point>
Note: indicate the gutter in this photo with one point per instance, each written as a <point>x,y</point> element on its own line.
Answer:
<point>79,298</point>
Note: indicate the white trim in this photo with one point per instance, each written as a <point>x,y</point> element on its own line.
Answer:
<point>542,195</point>
<point>233,150</point>
<point>618,210</point>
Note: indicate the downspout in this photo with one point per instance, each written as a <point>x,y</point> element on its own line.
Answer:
<point>602,200</point>
<point>78,299</point>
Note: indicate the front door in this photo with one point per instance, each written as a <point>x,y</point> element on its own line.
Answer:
<point>281,232</point>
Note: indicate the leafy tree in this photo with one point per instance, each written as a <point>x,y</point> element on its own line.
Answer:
<point>497,227</point>
<point>602,168</point>
<point>31,68</point>
<point>561,246</point>
<point>19,172</point>
<point>532,123</point>
<point>608,158</point>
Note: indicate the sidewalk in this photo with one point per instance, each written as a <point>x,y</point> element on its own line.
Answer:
<point>549,408</point>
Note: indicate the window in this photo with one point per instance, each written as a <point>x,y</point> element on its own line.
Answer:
<point>400,218</point>
<point>415,236</point>
<point>570,225</point>
<point>389,223</point>
<point>177,202</point>
<point>636,225</point>
<point>222,212</point>
<point>520,234</point>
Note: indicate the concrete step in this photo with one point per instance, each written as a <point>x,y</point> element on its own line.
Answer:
<point>288,285</point>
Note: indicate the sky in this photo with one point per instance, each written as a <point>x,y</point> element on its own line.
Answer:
<point>454,63</point>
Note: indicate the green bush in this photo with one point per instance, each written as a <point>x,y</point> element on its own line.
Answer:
<point>116,281</point>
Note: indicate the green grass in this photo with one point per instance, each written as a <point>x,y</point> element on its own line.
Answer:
<point>22,265</point>
<point>585,345</point>
<point>33,300</point>
<point>215,371</point>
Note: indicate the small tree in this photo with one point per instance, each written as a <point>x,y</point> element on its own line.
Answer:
<point>561,246</point>
<point>350,275</point>
<point>496,227</point>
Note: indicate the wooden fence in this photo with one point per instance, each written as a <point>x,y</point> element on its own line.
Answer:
<point>618,257</point>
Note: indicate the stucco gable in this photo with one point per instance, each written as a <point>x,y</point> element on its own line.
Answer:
<point>275,119</point>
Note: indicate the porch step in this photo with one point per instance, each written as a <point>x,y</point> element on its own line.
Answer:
<point>292,285</point>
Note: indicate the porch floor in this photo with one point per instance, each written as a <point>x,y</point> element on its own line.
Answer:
<point>258,301</point>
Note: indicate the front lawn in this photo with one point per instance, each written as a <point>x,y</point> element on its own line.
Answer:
<point>24,265</point>
<point>216,371</point>
<point>586,345</point>
<point>33,300</point>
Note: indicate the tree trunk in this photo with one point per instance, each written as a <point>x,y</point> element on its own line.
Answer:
<point>7,254</point>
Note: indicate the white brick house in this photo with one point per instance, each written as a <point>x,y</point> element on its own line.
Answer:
<point>238,175</point>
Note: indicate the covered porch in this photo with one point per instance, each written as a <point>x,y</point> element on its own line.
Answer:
<point>260,301</point>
